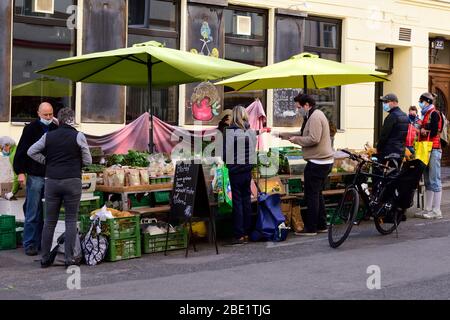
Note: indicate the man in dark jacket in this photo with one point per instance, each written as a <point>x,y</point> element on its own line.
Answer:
<point>395,127</point>
<point>35,172</point>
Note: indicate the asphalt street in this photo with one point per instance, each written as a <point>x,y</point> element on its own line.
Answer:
<point>416,265</point>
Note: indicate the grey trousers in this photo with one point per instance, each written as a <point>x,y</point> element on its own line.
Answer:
<point>57,191</point>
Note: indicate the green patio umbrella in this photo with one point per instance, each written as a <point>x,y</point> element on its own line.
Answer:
<point>145,64</point>
<point>303,71</point>
<point>42,87</point>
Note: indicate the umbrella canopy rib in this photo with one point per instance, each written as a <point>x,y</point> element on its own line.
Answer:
<point>248,84</point>
<point>104,68</point>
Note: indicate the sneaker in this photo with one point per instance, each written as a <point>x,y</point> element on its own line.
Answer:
<point>433,215</point>
<point>322,230</point>
<point>31,251</point>
<point>421,214</point>
<point>438,213</point>
<point>246,239</point>
<point>236,242</point>
<point>305,233</point>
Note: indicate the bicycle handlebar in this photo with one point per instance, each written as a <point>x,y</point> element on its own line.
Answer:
<point>359,158</point>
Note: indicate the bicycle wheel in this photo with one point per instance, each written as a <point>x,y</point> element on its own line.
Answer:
<point>341,221</point>
<point>386,217</point>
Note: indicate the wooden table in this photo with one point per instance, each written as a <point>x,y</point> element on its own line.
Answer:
<point>125,191</point>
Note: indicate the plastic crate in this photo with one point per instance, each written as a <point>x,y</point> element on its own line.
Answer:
<point>86,207</point>
<point>135,203</point>
<point>330,211</point>
<point>295,185</point>
<point>157,243</point>
<point>7,223</point>
<point>124,249</point>
<point>162,196</point>
<point>117,228</point>
<point>19,236</point>
<point>8,240</point>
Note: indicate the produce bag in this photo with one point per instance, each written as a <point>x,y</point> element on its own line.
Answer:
<point>94,245</point>
<point>223,187</point>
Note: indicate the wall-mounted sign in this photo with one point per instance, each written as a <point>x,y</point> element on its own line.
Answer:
<point>438,44</point>
<point>244,25</point>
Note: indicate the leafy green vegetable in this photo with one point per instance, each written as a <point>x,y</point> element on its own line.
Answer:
<point>133,159</point>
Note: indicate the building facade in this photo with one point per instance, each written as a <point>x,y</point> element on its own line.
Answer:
<point>408,39</point>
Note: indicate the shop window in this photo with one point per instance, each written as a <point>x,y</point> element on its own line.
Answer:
<point>204,101</point>
<point>245,42</point>
<point>49,9</point>
<point>316,35</point>
<point>153,14</point>
<point>288,42</point>
<point>153,20</point>
<point>38,40</point>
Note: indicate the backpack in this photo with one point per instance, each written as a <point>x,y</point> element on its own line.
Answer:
<point>445,133</point>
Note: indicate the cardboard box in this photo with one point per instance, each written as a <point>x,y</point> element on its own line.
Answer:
<point>274,185</point>
<point>5,187</point>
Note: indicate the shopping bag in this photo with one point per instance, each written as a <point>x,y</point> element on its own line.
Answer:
<point>270,223</point>
<point>224,196</point>
<point>423,150</point>
<point>94,245</point>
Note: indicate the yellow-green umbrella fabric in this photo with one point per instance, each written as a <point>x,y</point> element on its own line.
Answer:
<point>145,64</point>
<point>304,70</point>
<point>130,66</point>
<point>42,87</point>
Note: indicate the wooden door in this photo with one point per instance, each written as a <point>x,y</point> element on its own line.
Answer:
<point>440,85</point>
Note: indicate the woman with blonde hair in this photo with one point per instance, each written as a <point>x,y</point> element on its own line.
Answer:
<point>240,157</point>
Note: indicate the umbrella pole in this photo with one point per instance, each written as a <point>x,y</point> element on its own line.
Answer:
<point>149,96</point>
<point>305,85</point>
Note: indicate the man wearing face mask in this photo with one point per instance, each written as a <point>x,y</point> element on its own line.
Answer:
<point>32,174</point>
<point>395,127</point>
<point>314,137</point>
<point>431,128</point>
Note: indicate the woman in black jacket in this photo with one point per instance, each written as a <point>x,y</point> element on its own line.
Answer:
<point>63,152</point>
<point>240,157</point>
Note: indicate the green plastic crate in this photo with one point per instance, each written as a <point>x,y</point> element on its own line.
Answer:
<point>135,203</point>
<point>86,207</point>
<point>295,185</point>
<point>117,228</point>
<point>124,249</point>
<point>162,196</point>
<point>19,236</point>
<point>156,243</point>
<point>8,240</point>
<point>7,223</point>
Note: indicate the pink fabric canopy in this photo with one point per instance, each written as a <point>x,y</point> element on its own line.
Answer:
<point>165,136</point>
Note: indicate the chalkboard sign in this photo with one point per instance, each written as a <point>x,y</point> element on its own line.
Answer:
<point>284,110</point>
<point>189,197</point>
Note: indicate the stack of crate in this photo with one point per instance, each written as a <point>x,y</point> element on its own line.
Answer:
<point>7,232</point>
<point>123,234</point>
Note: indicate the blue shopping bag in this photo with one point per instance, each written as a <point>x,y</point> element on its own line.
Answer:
<point>270,221</point>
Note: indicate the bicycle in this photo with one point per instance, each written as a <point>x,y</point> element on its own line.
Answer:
<point>386,203</point>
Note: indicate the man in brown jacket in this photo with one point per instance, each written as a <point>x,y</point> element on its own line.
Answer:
<point>315,140</point>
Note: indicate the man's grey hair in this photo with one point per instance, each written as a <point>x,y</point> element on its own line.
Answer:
<point>5,140</point>
<point>66,116</point>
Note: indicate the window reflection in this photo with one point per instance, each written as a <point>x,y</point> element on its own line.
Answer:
<point>25,8</point>
<point>35,47</point>
<point>152,14</point>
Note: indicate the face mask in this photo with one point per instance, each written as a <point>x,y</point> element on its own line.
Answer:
<point>412,117</point>
<point>46,122</point>
<point>422,104</point>
<point>386,107</point>
<point>303,113</point>
<point>6,154</point>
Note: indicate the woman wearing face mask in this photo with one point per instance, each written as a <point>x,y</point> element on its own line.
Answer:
<point>431,128</point>
<point>8,148</point>
<point>413,129</point>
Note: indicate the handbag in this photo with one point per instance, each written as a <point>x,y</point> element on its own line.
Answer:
<point>94,245</point>
<point>423,150</point>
